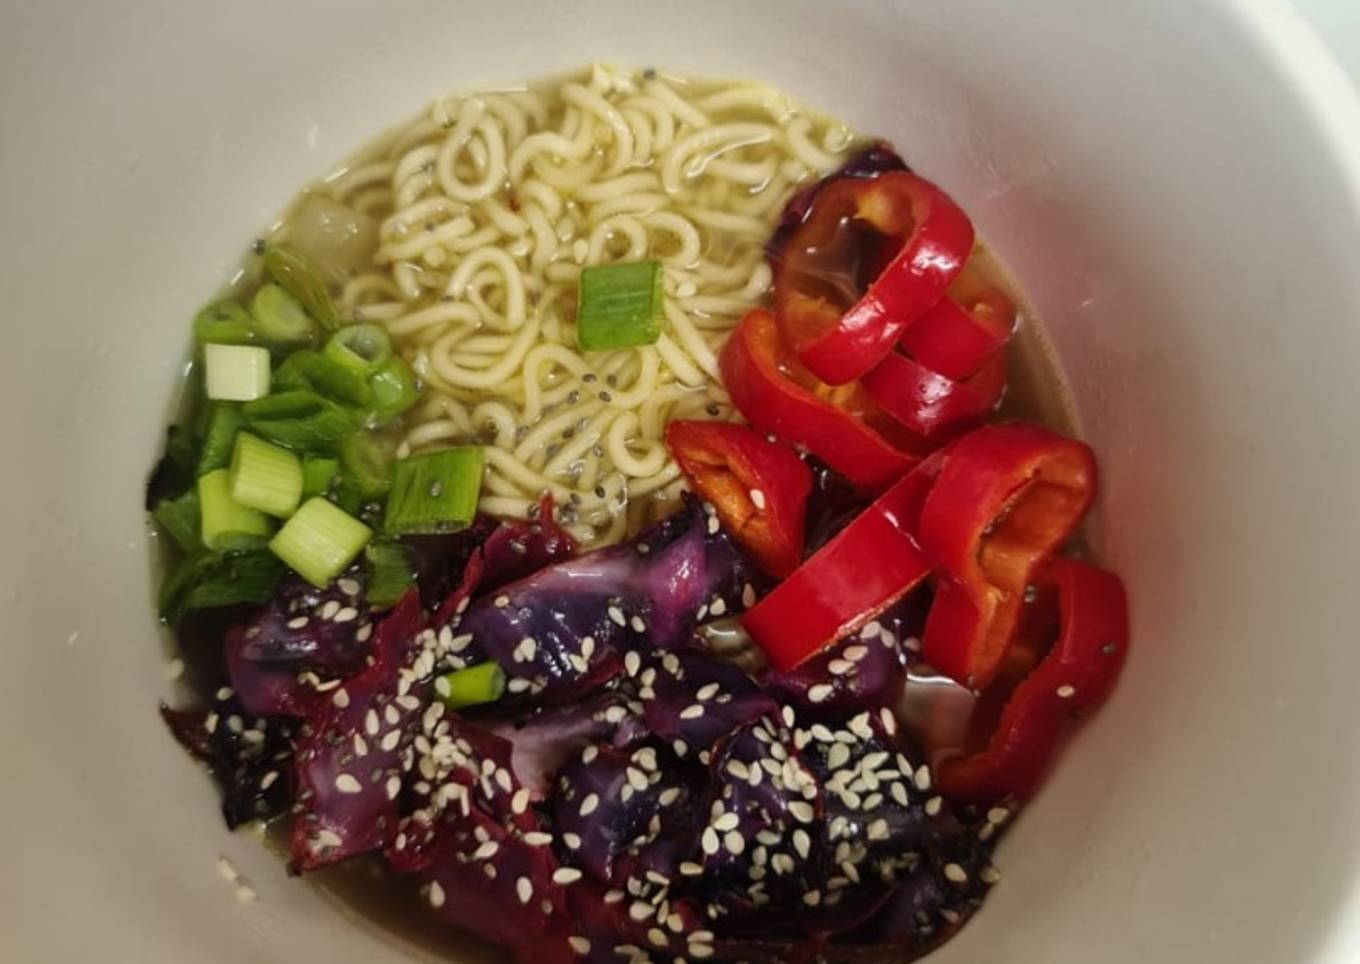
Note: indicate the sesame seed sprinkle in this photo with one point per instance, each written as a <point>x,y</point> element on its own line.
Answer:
<point>524,890</point>
<point>436,894</point>
<point>616,616</point>
<point>820,692</point>
<point>955,874</point>
<point>348,783</point>
<point>933,806</point>
<point>566,875</point>
<point>1066,691</point>
<point>578,944</point>
<point>589,804</point>
<point>757,498</point>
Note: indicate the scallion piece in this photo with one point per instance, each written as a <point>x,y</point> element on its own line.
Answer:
<point>179,519</point>
<point>219,436</point>
<point>434,492</point>
<point>318,476</point>
<point>209,580</point>
<point>367,458</point>
<point>394,388</point>
<point>619,305</point>
<point>279,321</point>
<point>361,348</point>
<point>390,571</point>
<point>483,683</point>
<point>265,476</point>
<point>225,523</point>
<point>320,540</point>
<point>236,373</point>
<point>300,420</point>
<point>225,323</point>
<point>313,371</point>
<point>299,277</point>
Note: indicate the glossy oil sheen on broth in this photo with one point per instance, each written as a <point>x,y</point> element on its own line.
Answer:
<point>464,233</point>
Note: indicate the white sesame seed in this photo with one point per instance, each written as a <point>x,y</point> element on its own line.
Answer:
<point>566,875</point>
<point>297,622</point>
<point>347,614</point>
<point>837,756</point>
<point>812,898</point>
<point>340,698</point>
<point>820,692</point>
<point>436,894</point>
<point>717,607</point>
<point>524,890</point>
<point>998,815</point>
<point>328,838</point>
<point>500,602</point>
<point>529,646</point>
<point>330,609</point>
<point>698,950</point>
<point>1066,691</point>
<point>518,685</point>
<point>922,778</point>
<point>657,936</point>
<point>748,596</point>
<point>227,869</point>
<point>393,787</point>
<point>790,718</point>
<point>955,874</point>
<point>364,632</point>
<point>371,723</point>
<point>589,804</point>
<point>802,811</point>
<point>734,842</point>
<point>245,893</point>
<point>572,840</point>
<point>616,616</point>
<point>632,662</point>
<point>802,843</point>
<point>348,783</point>
<point>878,829</point>
<point>579,944</point>
<point>889,721</point>
<point>709,841</point>
<point>520,801</point>
<point>692,712</point>
<point>899,793</point>
<point>639,625</point>
<point>636,778</point>
<point>871,629</point>
<point>589,754</point>
<point>268,779</point>
<point>391,739</point>
<point>839,667</point>
<point>690,869</point>
<point>989,875</point>
<point>587,647</point>
<point>757,498</point>
<point>640,910</point>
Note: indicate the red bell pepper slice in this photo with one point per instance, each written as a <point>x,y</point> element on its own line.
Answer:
<point>761,381</point>
<point>866,567</point>
<point>871,256</point>
<point>1005,498</point>
<point>931,405</point>
<point>759,488</point>
<point>956,338</point>
<point>1074,679</point>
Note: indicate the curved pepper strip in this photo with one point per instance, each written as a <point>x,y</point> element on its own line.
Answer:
<point>759,488</point>
<point>871,256</point>
<point>1006,497</point>
<point>932,405</point>
<point>755,373</point>
<point>873,562</point>
<point>956,339</point>
<point>1074,679</point>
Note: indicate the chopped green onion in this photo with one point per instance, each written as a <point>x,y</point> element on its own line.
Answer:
<point>179,519</point>
<point>236,373</point>
<point>225,323</point>
<point>209,580</point>
<point>320,540</point>
<point>225,522</point>
<point>279,321</point>
<point>434,492</point>
<point>300,420</point>
<point>483,683</point>
<point>299,277</point>
<point>619,305</point>
<point>219,438</point>
<point>313,371</point>
<point>367,458</point>
<point>360,348</point>
<point>318,476</point>
<point>394,388</point>
<point>390,571</point>
<point>265,476</point>
<point>175,471</point>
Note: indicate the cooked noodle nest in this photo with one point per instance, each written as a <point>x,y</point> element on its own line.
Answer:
<point>485,209</point>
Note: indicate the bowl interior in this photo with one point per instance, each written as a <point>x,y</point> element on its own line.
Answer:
<point>1163,180</point>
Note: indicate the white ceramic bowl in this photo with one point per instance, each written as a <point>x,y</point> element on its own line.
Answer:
<point>1177,186</point>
